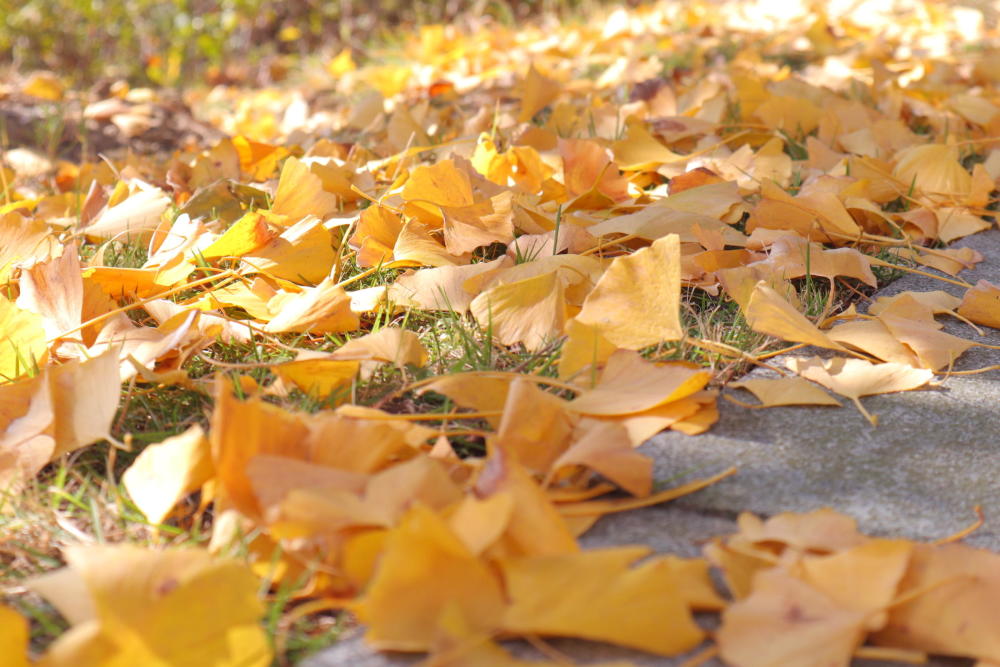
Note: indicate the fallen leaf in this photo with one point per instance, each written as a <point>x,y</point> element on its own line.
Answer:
<point>424,570</point>
<point>785,391</point>
<point>325,308</point>
<point>767,312</point>
<point>536,426</point>
<point>981,304</point>
<point>630,384</point>
<point>786,621</point>
<point>23,346</point>
<point>536,92</point>
<point>854,378</point>
<point>956,589</point>
<point>530,311</point>
<point>147,610</point>
<point>597,595</point>
<point>636,303</point>
<point>300,193</point>
<point>605,447</point>
<point>321,378</point>
<point>167,471</point>
<point>934,169</point>
<point>303,253</point>
<point>14,637</point>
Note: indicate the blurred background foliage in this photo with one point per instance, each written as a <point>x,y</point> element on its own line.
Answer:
<point>167,42</point>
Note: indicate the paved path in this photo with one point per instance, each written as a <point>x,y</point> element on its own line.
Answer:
<point>934,455</point>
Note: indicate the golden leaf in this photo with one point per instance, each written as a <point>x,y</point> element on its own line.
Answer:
<point>597,595</point>
<point>636,302</point>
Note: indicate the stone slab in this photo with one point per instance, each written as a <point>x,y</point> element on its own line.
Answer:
<point>934,455</point>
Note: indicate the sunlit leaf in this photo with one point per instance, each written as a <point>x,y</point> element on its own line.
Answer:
<point>147,609</point>
<point>637,301</point>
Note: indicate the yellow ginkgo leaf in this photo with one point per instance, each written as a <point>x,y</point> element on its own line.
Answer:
<point>393,345</point>
<point>954,615</point>
<point>956,222</point>
<point>795,116</point>
<point>319,377</point>
<point>974,108</point>
<point>425,569</point>
<point>64,408</point>
<point>812,214</point>
<point>937,302</point>
<point>683,413</point>
<point>792,256</point>
<point>785,621</point>
<point>600,595</point>
<point>981,304</point>
<point>134,217</point>
<point>470,227</point>
<point>44,85</point>
<point>577,273</point>
<point>695,581</point>
<point>473,390</point>
<point>537,91</point>
<point>934,349</point>
<point>785,391</point>
<point>241,430</point>
<point>641,151</point>
<point>364,445</point>
<point>22,239</point>
<point>403,131</point>
<point>771,163</point>
<point>13,637</point>
<point>480,522</point>
<point>530,311</point>
<point>375,236</point>
<point>584,350</point>
<point>630,384</point>
<point>342,63</point>
<point>218,164</point>
<point>767,312</point>
<point>855,378</point>
<point>702,420</point>
<point>85,397</point>
<point>302,254</point>
<point>536,526</point>
<point>243,237</point>
<point>119,282</point>
<point>300,193</point>
<point>325,308</point>
<point>605,447</point>
<point>520,164</point>
<point>658,220</point>
<point>417,246</point>
<point>819,531</point>
<point>590,176</point>
<point>536,426</point>
<point>149,610</point>
<point>258,160</point>
<point>636,303</point>
<point>441,288</point>
<point>22,341</point>
<point>166,472</point>
<point>864,578</point>
<point>440,184</point>
<point>933,169</point>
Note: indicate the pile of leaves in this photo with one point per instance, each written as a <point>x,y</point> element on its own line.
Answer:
<point>424,314</point>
